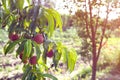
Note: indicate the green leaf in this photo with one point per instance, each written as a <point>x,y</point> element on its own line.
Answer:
<point>26,72</point>
<point>56,58</point>
<point>72,57</point>
<point>31,76</point>
<point>29,1</point>
<point>49,76</point>
<point>64,54</point>
<point>50,21</point>
<point>12,26</point>
<point>57,17</point>
<point>19,4</point>
<point>38,52</point>
<point>4,3</point>
<point>20,48</point>
<point>11,45</point>
<point>27,49</point>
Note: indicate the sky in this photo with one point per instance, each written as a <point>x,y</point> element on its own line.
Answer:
<point>115,13</point>
<point>65,7</point>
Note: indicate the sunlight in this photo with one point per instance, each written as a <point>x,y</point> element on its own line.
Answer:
<point>66,7</point>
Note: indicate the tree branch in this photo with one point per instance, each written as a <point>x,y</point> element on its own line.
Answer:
<point>86,21</point>
<point>103,33</point>
<point>96,26</point>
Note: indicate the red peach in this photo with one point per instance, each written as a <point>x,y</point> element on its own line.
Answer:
<point>20,55</point>
<point>38,38</point>
<point>33,60</point>
<point>50,53</point>
<point>13,37</point>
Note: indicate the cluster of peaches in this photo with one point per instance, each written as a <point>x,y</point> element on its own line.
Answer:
<point>39,39</point>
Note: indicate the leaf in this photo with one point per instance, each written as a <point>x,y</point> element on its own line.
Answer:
<point>19,4</point>
<point>57,17</point>
<point>50,21</point>
<point>56,58</point>
<point>64,54</point>
<point>49,76</point>
<point>11,45</point>
<point>27,71</point>
<point>28,1</point>
<point>72,57</point>
<point>12,26</point>
<point>31,76</point>
<point>38,52</point>
<point>20,48</point>
<point>4,3</point>
<point>27,49</point>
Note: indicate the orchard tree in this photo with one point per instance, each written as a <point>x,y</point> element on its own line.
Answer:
<point>30,25</point>
<point>95,28</point>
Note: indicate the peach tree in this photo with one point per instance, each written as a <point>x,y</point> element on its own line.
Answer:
<point>30,26</point>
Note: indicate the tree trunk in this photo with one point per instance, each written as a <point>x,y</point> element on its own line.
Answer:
<point>94,66</point>
<point>94,56</point>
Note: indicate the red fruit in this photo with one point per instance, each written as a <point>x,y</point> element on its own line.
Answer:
<point>20,55</point>
<point>50,53</point>
<point>38,38</point>
<point>33,60</point>
<point>13,37</point>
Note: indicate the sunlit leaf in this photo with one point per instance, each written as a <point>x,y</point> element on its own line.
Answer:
<point>72,57</point>
<point>29,1</point>
<point>57,18</point>
<point>51,25</point>
<point>19,4</point>
<point>4,3</point>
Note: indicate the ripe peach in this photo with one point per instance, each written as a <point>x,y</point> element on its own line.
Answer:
<point>33,60</point>
<point>38,38</point>
<point>13,37</point>
<point>50,53</point>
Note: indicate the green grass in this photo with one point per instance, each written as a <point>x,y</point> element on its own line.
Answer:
<point>69,38</point>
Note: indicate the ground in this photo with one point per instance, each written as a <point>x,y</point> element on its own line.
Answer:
<point>11,69</point>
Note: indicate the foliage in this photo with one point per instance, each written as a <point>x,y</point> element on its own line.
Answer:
<point>80,24</point>
<point>110,54</point>
<point>26,22</point>
<point>93,28</point>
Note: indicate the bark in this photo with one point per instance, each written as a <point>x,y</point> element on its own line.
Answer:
<point>93,35</point>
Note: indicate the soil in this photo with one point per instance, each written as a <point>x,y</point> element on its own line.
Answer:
<point>10,62</point>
